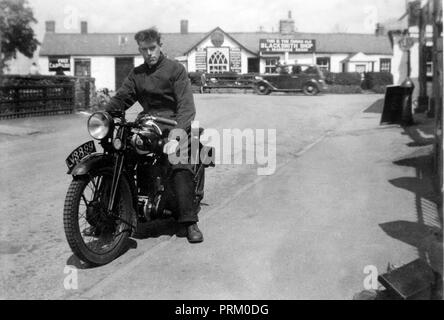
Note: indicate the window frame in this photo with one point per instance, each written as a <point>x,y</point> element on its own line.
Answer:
<point>269,66</point>
<point>322,66</point>
<point>383,61</point>
<point>219,67</point>
<point>81,61</point>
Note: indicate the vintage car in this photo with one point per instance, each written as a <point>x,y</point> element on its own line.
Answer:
<point>290,78</point>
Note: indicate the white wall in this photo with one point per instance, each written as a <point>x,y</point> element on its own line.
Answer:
<point>103,70</point>
<point>138,61</point>
<point>44,66</point>
<point>228,44</point>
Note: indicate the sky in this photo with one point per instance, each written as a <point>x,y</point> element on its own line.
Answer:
<point>356,16</point>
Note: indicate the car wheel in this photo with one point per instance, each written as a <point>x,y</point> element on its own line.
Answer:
<point>310,89</point>
<point>262,89</point>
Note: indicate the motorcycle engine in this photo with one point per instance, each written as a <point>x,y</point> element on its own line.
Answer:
<point>148,139</point>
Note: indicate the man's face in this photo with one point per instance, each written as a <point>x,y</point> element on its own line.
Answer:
<point>150,51</point>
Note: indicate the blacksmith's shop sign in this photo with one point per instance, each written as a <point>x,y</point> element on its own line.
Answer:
<point>287,45</point>
<point>55,62</point>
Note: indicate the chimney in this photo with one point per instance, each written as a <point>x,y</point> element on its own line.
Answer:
<point>183,26</point>
<point>287,26</point>
<point>50,26</point>
<point>83,27</point>
<point>380,30</point>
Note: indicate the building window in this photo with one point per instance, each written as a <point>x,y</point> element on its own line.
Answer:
<point>218,63</point>
<point>323,63</point>
<point>271,64</point>
<point>385,65</point>
<point>82,67</point>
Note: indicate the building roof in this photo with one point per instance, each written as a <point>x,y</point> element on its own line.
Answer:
<point>325,42</point>
<point>104,44</point>
<point>177,44</point>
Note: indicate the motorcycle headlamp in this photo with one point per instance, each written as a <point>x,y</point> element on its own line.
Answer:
<point>100,125</point>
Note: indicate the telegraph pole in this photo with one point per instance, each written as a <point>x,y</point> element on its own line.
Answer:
<point>437,88</point>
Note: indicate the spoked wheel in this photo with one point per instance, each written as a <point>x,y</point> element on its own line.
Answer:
<point>94,235</point>
<point>310,89</point>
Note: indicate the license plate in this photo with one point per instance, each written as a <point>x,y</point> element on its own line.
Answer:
<point>80,153</point>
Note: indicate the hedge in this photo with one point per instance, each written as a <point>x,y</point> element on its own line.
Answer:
<point>377,81</point>
<point>343,78</point>
<point>341,89</point>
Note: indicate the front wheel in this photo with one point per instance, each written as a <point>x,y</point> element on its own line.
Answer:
<point>262,89</point>
<point>95,235</point>
<point>310,89</point>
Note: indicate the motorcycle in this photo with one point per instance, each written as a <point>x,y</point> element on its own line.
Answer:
<point>129,183</point>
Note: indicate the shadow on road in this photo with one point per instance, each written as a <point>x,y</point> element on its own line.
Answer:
<point>426,233</point>
<point>376,107</point>
<point>157,228</point>
<point>79,264</point>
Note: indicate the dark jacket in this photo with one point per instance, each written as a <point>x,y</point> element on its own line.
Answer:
<point>163,90</point>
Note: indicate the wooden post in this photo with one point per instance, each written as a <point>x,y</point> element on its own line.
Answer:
<point>423,98</point>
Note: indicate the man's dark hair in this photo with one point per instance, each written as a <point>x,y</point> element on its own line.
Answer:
<point>150,35</point>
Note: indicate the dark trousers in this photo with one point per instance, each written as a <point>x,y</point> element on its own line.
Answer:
<point>183,181</point>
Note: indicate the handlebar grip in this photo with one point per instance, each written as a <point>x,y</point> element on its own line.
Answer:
<point>168,122</point>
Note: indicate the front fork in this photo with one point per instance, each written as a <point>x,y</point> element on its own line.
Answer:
<point>118,166</point>
<point>117,174</point>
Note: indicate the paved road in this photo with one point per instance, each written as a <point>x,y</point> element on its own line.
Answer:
<point>33,249</point>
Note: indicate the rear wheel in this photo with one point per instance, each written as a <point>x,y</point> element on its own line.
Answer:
<point>262,89</point>
<point>94,235</point>
<point>310,89</point>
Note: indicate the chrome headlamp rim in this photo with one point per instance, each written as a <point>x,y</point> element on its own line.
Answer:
<point>100,125</point>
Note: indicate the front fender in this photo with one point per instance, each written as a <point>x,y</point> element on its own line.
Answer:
<point>91,162</point>
<point>265,82</point>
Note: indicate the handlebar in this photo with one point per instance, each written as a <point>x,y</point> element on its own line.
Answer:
<point>165,121</point>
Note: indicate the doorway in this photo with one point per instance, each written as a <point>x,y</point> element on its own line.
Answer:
<point>253,65</point>
<point>123,68</point>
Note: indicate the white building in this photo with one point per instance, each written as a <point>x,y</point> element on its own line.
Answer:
<point>110,57</point>
<point>402,31</point>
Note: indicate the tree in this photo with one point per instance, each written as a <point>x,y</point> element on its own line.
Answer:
<point>16,33</point>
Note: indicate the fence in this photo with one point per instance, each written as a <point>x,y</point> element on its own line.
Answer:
<point>26,96</point>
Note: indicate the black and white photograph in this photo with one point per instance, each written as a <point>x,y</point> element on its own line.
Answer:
<point>237,152</point>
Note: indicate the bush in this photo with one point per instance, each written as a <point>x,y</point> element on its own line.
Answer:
<point>343,78</point>
<point>344,89</point>
<point>377,80</point>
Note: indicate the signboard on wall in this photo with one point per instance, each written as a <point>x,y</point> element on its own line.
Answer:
<point>201,61</point>
<point>287,45</point>
<point>55,62</point>
<point>236,60</point>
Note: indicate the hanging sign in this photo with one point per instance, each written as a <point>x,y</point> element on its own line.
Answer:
<point>55,62</point>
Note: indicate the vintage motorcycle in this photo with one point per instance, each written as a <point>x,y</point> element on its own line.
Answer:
<point>127,184</point>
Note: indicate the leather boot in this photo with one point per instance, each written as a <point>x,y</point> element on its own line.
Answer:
<point>194,235</point>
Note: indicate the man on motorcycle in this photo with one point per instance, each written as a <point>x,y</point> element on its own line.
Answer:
<point>163,89</point>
